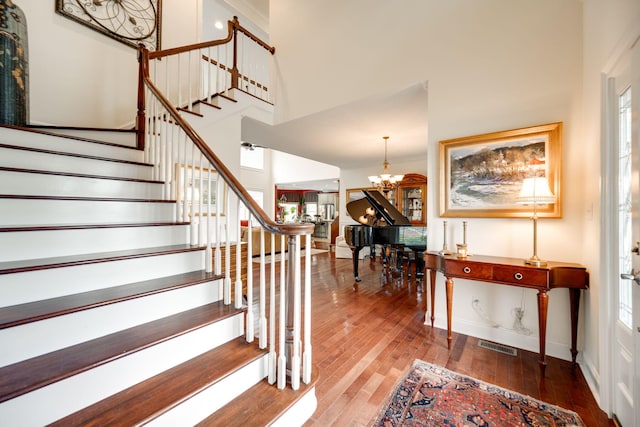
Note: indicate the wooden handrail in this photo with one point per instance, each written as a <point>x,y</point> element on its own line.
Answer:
<point>234,24</point>
<point>266,222</point>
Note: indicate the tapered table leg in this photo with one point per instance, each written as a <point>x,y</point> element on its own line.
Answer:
<point>574,301</point>
<point>449,291</point>
<point>432,291</point>
<point>543,304</point>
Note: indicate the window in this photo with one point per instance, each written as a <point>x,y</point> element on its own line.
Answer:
<point>625,208</point>
<point>258,196</point>
<point>252,157</point>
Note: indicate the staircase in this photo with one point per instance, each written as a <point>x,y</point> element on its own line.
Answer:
<point>108,315</point>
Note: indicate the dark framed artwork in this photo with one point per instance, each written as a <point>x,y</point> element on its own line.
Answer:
<point>481,175</point>
<point>130,22</point>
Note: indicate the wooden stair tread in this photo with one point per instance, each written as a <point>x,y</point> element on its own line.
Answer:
<point>82,259</point>
<point>31,374</point>
<point>83,198</point>
<point>76,155</point>
<point>260,405</point>
<point>79,175</point>
<point>57,131</point>
<point>152,397</point>
<point>44,309</point>
<point>51,227</point>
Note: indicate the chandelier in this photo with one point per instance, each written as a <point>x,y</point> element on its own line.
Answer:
<point>385,182</point>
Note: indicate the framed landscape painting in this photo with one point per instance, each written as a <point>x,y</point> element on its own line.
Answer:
<point>481,175</point>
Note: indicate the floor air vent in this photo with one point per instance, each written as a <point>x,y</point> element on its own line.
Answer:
<point>498,347</point>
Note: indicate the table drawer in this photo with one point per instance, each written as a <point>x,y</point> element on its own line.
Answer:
<point>470,270</point>
<point>521,276</point>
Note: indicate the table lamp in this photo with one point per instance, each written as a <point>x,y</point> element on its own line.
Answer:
<point>535,191</point>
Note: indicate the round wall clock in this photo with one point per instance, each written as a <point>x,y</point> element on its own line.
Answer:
<point>132,22</point>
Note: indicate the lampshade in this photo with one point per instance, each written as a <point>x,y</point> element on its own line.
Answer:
<point>536,191</point>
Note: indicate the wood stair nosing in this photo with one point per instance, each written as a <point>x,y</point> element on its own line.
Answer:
<point>28,375</point>
<point>260,405</point>
<point>83,259</point>
<point>84,198</point>
<point>76,155</point>
<point>254,96</point>
<point>22,228</point>
<point>152,397</point>
<point>223,95</point>
<point>208,104</point>
<point>186,110</point>
<point>79,175</point>
<point>38,130</point>
<point>45,309</point>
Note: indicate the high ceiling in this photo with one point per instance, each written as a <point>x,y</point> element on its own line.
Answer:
<point>347,136</point>
<point>350,136</point>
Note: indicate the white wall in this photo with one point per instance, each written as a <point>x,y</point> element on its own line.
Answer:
<point>491,65</point>
<point>79,77</point>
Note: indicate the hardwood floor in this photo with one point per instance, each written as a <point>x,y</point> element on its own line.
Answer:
<point>366,335</point>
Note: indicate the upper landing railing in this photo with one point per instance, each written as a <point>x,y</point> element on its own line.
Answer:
<point>209,196</point>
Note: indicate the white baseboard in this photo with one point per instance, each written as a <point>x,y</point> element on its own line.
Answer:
<point>504,336</point>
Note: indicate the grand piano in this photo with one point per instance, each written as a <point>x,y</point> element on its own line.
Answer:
<point>383,224</point>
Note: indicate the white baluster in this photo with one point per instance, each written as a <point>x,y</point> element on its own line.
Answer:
<point>209,231</point>
<point>307,355</point>
<point>282,358</point>
<point>250,316</point>
<point>295,359</point>
<point>272,312</point>
<point>238,261</point>
<point>263,297</point>
<point>227,251</point>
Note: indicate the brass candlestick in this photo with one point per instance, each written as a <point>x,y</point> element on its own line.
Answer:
<point>445,250</point>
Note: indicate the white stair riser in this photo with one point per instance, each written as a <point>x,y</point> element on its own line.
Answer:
<point>300,412</point>
<point>37,184</point>
<point>36,338</point>
<point>213,398</point>
<point>58,143</point>
<point>59,163</point>
<point>52,211</point>
<point>53,243</point>
<point>63,398</point>
<point>20,288</point>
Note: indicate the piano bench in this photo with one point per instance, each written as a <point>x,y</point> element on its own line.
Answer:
<point>408,257</point>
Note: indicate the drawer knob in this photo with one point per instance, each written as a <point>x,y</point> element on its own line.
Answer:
<point>518,276</point>
<point>467,270</point>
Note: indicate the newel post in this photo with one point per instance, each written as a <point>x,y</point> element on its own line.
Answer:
<point>143,66</point>
<point>235,74</point>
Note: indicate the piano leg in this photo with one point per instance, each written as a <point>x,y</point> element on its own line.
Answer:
<point>356,254</point>
<point>419,260</point>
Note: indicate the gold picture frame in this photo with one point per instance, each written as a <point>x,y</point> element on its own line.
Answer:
<point>481,175</point>
<point>197,189</point>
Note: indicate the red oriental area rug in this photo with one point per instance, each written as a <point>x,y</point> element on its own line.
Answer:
<point>430,395</point>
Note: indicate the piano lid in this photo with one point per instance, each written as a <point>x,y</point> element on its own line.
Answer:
<point>375,210</point>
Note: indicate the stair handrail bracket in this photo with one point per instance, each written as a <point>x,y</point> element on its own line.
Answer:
<point>171,83</point>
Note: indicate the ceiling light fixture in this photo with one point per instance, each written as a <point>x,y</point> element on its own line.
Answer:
<point>250,146</point>
<point>385,182</point>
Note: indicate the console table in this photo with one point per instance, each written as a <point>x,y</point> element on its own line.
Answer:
<point>512,272</point>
